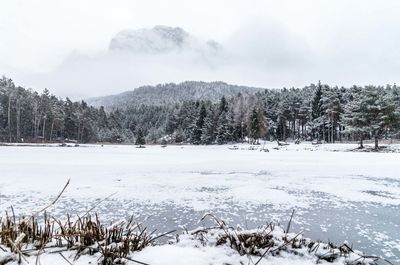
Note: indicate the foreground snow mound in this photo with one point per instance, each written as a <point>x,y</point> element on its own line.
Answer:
<point>269,244</point>
<point>87,241</point>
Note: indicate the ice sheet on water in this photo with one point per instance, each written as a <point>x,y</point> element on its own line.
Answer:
<point>199,179</point>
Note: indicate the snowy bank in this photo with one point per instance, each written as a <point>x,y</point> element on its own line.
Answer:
<point>86,240</point>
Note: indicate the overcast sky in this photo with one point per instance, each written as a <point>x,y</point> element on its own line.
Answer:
<point>62,45</point>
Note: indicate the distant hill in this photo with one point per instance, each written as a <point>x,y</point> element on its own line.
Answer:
<point>172,93</point>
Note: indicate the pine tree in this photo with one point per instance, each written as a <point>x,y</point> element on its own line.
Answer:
<point>256,127</point>
<point>331,112</point>
<point>372,112</point>
<point>380,112</point>
<point>208,130</point>
<point>316,104</point>
<point>223,132</point>
<point>223,105</point>
<point>198,125</point>
<point>283,115</point>
<point>316,112</point>
<point>304,117</point>
<point>239,112</point>
<point>355,120</point>
<point>140,137</point>
<point>70,120</point>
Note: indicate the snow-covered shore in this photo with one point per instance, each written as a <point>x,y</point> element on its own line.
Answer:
<point>220,244</point>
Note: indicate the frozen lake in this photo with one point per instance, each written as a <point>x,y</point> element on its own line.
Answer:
<point>337,196</point>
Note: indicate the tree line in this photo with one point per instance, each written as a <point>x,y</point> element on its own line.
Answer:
<point>316,112</point>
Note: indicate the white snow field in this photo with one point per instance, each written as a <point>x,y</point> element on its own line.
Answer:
<point>337,195</point>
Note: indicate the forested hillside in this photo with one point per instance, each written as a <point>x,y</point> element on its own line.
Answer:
<point>315,112</point>
<point>169,94</point>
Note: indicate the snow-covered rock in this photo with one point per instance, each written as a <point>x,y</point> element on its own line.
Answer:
<point>160,39</point>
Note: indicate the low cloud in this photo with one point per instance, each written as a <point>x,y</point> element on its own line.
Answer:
<point>262,55</point>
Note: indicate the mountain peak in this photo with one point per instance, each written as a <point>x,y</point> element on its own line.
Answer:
<point>159,39</point>
<point>150,40</point>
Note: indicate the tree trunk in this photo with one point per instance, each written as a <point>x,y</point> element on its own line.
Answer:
<point>82,130</point>
<point>361,142</point>
<point>18,120</point>
<point>9,118</point>
<point>328,134</point>
<point>79,129</point>
<point>51,130</point>
<point>37,126</point>
<point>333,129</point>
<point>44,128</point>
<point>37,122</point>
<point>299,132</point>
<point>376,142</point>
<point>241,133</point>
<point>34,127</point>
<point>284,131</point>
<point>294,128</point>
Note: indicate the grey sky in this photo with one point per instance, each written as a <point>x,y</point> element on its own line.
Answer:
<point>62,45</point>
